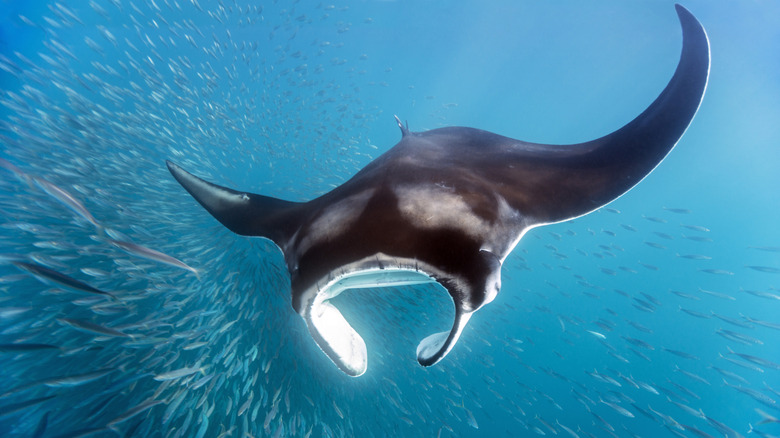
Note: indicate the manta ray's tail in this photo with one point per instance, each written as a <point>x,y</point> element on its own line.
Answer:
<point>243,213</point>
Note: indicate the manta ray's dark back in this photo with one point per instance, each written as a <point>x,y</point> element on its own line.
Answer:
<point>448,206</point>
<point>552,183</point>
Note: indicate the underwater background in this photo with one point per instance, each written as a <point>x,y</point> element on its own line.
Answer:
<point>127,310</point>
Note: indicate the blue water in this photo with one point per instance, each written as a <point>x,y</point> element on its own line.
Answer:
<point>290,100</point>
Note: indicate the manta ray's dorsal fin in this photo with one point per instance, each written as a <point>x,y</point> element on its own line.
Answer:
<point>243,213</point>
<point>404,129</point>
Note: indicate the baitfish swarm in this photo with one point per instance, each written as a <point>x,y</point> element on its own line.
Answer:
<point>126,311</point>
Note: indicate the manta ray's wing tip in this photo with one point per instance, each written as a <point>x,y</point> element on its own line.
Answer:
<point>685,16</point>
<point>681,9</point>
<point>179,173</point>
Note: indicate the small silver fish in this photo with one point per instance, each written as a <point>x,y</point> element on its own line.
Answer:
<point>66,199</point>
<point>76,380</point>
<point>132,412</point>
<point>150,254</point>
<point>176,374</point>
<point>619,409</point>
<point>90,327</point>
<point>43,273</point>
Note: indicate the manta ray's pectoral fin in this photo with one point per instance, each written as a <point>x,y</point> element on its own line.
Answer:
<point>243,213</point>
<point>480,287</point>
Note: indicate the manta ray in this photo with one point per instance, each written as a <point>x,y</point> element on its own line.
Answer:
<point>448,206</point>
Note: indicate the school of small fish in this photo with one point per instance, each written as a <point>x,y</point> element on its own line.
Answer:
<point>127,311</point>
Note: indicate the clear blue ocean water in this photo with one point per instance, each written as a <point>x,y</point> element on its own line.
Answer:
<point>658,315</point>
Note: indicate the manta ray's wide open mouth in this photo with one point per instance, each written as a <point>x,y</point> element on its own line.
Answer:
<point>342,344</point>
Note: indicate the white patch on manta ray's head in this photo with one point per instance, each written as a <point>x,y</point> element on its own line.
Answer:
<point>435,207</point>
<point>335,220</point>
<point>438,207</point>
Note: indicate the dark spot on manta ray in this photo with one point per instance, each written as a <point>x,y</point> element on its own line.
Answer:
<point>448,206</point>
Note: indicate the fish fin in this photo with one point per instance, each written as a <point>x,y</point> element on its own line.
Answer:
<point>243,213</point>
